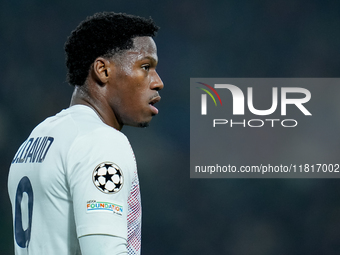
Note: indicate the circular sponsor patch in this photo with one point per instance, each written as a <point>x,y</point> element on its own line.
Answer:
<point>108,177</point>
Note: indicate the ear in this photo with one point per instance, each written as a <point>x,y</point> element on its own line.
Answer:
<point>102,69</point>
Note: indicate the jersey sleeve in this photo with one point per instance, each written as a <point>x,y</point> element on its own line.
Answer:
<point>100,172</point>
<point>102,244</point>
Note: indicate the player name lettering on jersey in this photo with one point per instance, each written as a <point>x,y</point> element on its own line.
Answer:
<point>33,150</point>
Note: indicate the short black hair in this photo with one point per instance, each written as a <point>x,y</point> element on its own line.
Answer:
<point>102,34</point>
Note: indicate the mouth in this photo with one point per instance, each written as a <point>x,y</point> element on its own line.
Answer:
<point>153,101</point>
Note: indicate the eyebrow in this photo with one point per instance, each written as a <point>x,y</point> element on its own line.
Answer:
<point>152,59</point>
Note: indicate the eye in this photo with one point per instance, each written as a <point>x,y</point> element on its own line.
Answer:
<point>146,67</point>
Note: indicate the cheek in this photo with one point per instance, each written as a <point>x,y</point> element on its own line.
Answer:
<point>137,98</point>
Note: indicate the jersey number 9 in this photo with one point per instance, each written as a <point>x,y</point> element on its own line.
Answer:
<point>22,237</point>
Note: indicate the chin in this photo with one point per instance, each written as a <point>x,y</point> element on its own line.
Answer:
<point>143,124</point>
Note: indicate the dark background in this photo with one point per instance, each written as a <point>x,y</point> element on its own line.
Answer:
<point>270,38</point>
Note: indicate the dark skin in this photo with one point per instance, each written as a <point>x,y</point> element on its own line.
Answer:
<point>123,89</point>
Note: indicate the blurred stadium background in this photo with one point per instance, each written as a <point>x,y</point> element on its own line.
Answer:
<point>183,216</point>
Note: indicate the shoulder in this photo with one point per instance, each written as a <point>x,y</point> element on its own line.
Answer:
<point>102,142</point>
<point>79,133</point>
<point>81,122</point>
<point>91,130</point>
<point>97,142</point>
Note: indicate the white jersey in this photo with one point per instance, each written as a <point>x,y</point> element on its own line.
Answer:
<point>74,176</point>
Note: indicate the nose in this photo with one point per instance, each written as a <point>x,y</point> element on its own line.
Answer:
<point>157,83</point>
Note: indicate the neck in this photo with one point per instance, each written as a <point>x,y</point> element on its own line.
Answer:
<point>83,96</point>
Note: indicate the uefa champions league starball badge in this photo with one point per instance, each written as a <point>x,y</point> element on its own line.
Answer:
<point>108,177</point>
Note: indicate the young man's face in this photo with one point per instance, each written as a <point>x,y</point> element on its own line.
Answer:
<point>134,85</point>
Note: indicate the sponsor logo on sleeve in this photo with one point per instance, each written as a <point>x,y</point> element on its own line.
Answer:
<point>96,206</point>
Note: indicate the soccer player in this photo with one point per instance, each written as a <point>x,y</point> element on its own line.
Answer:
<point>73,183</point>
